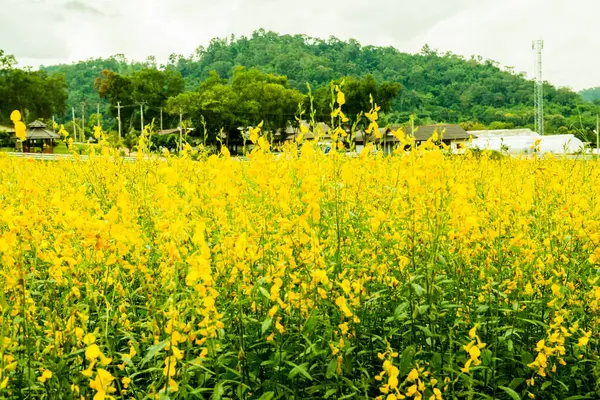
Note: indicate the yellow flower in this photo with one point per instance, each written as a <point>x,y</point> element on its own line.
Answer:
<point>411,391</point>
<point>126,381</point>
<point>413,375</point>
<point>102,384</point>
<point>15,116</point>
<point>343,306</point>
<point>465,369</point>
<point>46,374</point>
<point>89,339</point>
<point>584,339</point>
<point>278,326</point>
<point>170,364</point>
<point>437,394</point>
<point>92,352</point>
<point>474,352</point>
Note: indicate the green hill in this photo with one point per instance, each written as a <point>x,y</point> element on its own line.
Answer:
<point>438,87</point>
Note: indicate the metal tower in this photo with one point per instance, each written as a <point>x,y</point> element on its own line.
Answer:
<point>538,94</point>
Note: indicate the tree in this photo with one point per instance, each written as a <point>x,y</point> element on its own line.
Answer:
<point>150,88</point>
<point>247,99</point>
<point>358,96</point>
<point>6,61</point>
<point>35,93</point>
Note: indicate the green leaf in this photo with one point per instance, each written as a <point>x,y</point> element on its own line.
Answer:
<point>265,292</point>
<point>406,359</point>
<point>425,330</point>
<point>331,368</point>
<point>267,396</point>
<point>311,322</point>
<point>436,360</point>
<point>299,369</point>
<point>546,385</point>
<point>419,291</point>
<point>219,391</point>
<point>526,357</point>
<point>266,324</point>
<point>516,382</point>
<point>513,395</point>
<point>482,309</point>
<point>153,350</point>
<point>486,356</point>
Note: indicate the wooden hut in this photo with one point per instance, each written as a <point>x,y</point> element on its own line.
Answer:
<point>38,137</point>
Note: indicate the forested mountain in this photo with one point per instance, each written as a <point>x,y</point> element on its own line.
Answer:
<point>436,87</point>
<point>592,95</point>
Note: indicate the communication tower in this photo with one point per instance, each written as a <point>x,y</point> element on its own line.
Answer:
<point>538,94</point>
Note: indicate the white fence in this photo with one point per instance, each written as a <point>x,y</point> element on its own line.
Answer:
<point>56,157</point>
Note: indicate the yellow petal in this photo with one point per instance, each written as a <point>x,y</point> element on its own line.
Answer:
<point>15,116</point>
<point>92,352</point>
<point>20,130</point>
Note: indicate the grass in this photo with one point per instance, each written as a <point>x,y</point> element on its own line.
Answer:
<point>61,148</point>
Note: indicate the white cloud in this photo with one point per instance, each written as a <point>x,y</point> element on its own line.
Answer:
<point>49,31</point>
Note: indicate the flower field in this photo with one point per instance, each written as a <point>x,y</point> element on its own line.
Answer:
<point>304,276</point>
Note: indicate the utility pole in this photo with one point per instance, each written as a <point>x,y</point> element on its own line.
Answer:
<point>98,113</point>
<point>82,138</point>
<point>180,129</point>
<point>597,136</point>
<point>142,116</point>
<point>119,117</point>
<point>74,125</point>
<point>161,121</point>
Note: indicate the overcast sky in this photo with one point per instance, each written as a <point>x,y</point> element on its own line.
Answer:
<point>50,31</point>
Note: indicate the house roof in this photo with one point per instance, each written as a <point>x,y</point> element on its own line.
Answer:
<point>321,127</point>
<point>449,131</point>
<point>6,128</point>
<point>37,130</point>
<point>386,134</point>
<point>422,133</point>
<point>170,131</point>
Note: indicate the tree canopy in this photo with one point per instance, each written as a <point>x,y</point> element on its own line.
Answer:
<point>246,99</point>
<point>148,88</point>
<point>36,94</point>
<point>437,87</point>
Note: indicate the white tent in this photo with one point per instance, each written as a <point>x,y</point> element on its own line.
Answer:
<point>557,144</point>
<point>494,133</point>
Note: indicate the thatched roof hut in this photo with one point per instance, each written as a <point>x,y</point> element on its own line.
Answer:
<point>39,136</point>
<point>37,130</point>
